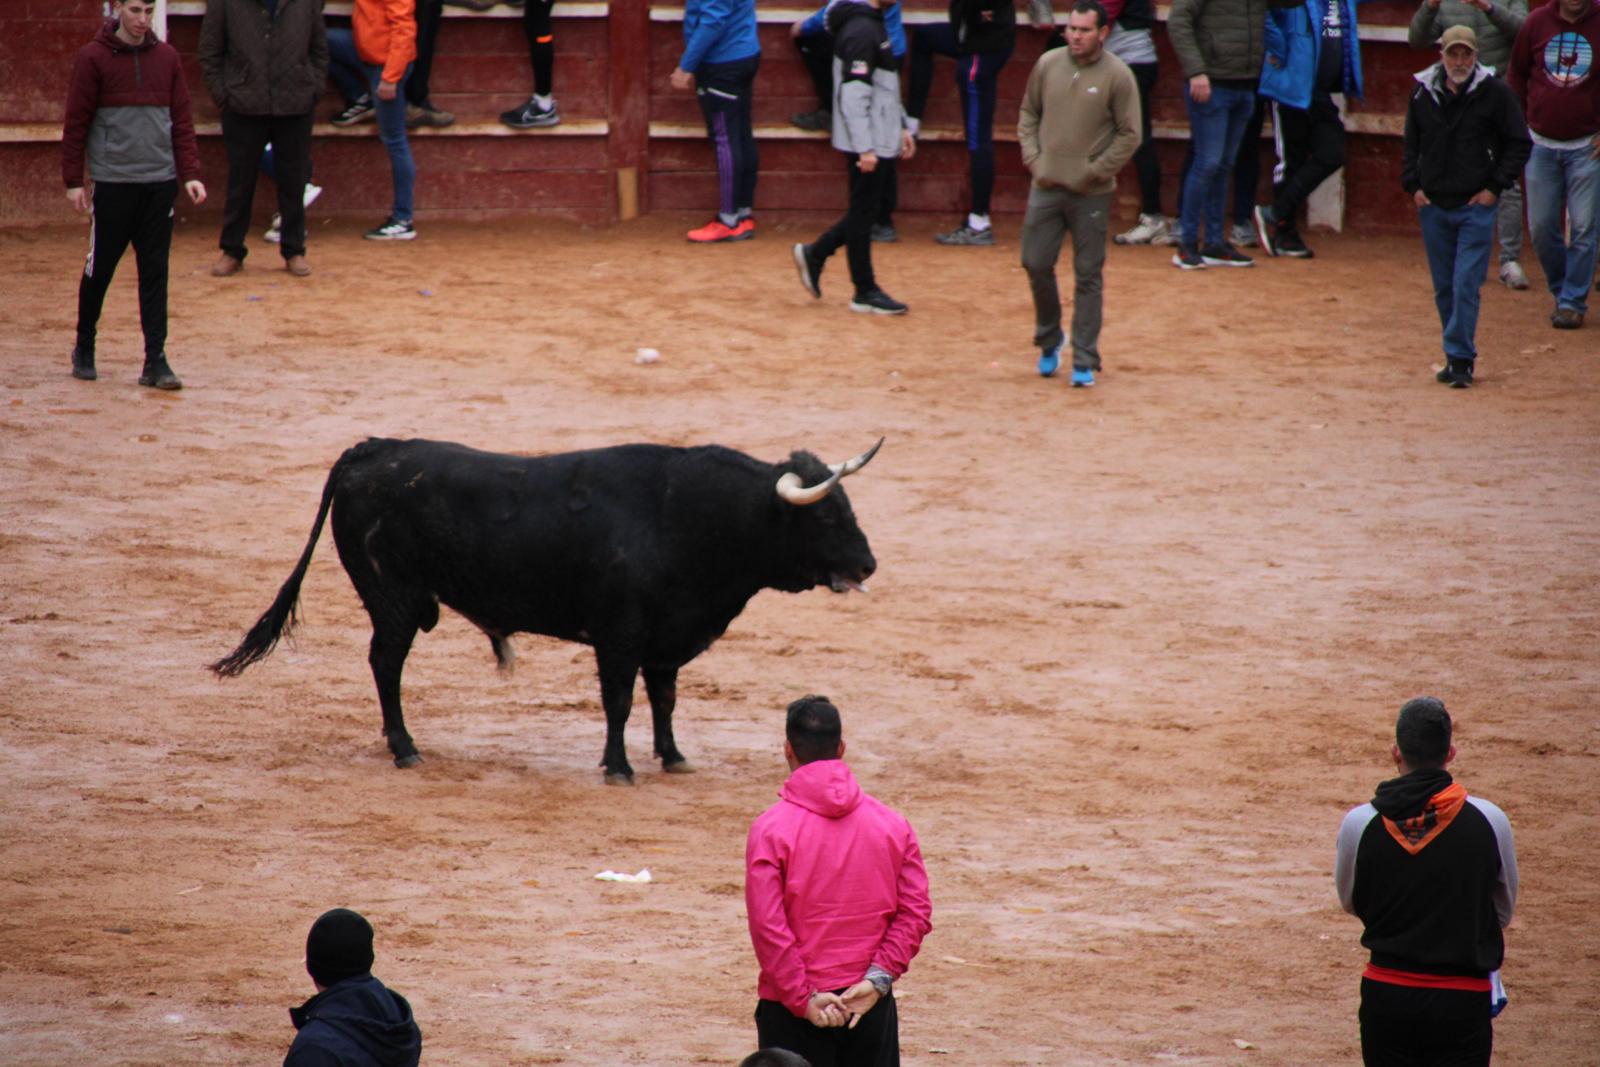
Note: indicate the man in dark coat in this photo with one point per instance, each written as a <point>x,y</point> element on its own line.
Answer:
<point>354,1020</point>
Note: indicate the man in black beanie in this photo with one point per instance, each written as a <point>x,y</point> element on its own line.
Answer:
<point>354,1020</point>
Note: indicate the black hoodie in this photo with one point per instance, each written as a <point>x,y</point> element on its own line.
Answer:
<point>355,1023</point>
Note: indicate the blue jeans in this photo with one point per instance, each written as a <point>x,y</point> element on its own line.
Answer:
<point>1215,128</point>
<point>1458,242</point>
<point>356,77</point>
<point>1565,179</point>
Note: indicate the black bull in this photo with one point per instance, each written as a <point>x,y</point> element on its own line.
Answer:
<point>645,552</point>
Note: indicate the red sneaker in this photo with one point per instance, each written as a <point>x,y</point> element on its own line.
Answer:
<point>716,230</point>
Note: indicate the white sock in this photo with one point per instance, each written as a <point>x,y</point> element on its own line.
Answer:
<point>730,221</point>
<point>745,213</point>
<point>544,102</point>
<point>977,222</point>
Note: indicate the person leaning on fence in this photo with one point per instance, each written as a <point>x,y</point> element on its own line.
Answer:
<point>354,1020</point>
<point>1465,144</point>
<point>128,113</point>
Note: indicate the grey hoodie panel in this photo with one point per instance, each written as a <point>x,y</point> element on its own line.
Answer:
<point>131,144</point>
<point>867,118</point>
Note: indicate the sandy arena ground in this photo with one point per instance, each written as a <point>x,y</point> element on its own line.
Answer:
<point>1130,654</point>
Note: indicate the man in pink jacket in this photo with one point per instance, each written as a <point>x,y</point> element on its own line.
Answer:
<point>838,903</point>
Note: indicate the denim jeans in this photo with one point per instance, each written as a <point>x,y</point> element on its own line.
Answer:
<point>1215,128</point>
<point>355,76</point>
<point>1458,242</point>
<point>1569,180</point>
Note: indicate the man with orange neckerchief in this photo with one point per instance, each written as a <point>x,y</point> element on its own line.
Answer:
<point>1432,872</point>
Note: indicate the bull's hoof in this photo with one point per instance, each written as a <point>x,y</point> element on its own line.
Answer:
<point>408,761</point>
<point>618,778</point>
<point>681,766</point>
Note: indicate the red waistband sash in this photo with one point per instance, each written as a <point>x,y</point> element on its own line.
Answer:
<point>1425,981</point>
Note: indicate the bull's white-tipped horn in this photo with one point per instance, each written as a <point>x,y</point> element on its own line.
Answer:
<point>850,466</point>
<point>793,491</point>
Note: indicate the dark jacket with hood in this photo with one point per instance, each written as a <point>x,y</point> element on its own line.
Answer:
<point>1458,143</point>
<point>257,62</point>
<point>358,1022</point>
<point>867,115</point>
<point>128,111</point>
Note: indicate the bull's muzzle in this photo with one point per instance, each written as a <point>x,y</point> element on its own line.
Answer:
<point>792,491</point>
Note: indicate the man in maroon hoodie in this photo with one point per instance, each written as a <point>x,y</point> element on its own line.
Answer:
<point>128,110</point>
<point>838,904</point>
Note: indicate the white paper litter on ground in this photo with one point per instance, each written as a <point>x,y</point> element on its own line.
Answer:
<point>614,876</point>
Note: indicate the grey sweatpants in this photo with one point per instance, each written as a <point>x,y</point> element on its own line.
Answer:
<point>1052,214</point>
<point>1509,222</point>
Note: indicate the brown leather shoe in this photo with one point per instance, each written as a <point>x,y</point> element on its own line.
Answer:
<point>226,266</point>
<point>297,266</point>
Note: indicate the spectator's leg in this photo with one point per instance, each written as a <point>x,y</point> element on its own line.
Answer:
<point>1236,104</point>
<point>1474,243</point>
<point>1314,154</point>
<point>1583,226</point>
<point>1087,216</point>
<point>1247,166</point>
<point>429,14</point>
<point>866,191</point>
<point>816,52</point>
<point>747,157</point>
<point>1044,227</point>
<point>717,89</point>
<point>152,247</point>
<point>927,41</point>
<point>1439,242</point>
<point>392,132</point>
<point>345,66</point>
<point>979,74</point>
<point>891,192</point>
<point>244,137</point>
<point>541,46</point>
<point>112,218</point>
<point>1146,160</point>
<point>1510,224</point>
<point>1208,138</point>
<point>1547,206</point>
<point>833,238</point>
<point>292,136</point>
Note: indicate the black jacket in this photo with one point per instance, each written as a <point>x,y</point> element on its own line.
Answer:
<point>260,64</point>
<point>358,1022</point>
<point>984,25</point>
<point>1459,143</point>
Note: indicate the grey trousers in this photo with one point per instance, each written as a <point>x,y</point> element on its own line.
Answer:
<point>1052,214</point>
<point>1509,223</point>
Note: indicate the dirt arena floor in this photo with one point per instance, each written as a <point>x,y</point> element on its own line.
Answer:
<point>1130,654</point>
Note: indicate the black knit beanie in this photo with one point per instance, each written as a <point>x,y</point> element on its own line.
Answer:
<point>338,947</point>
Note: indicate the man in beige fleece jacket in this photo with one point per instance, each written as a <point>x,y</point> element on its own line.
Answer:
<point>1078,127</point>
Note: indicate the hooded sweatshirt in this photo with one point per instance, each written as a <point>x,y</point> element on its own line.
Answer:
<point>1432,873</point>
<point>834,884</point>
<point>358,1022</point>
<point>128,111</point>
<point>1460,143</point>
<point>1552,70</point>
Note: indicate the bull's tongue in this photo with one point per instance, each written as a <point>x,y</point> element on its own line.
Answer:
<point>840,583</point>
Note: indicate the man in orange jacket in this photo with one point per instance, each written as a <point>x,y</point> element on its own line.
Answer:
<point>370,63</point>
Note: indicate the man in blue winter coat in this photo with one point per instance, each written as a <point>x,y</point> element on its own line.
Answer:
<point>1312,53</point>
<point>354,1020</point>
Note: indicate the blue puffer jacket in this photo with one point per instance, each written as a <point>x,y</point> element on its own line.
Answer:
<point>718,31</point>
<point>1294,45</point>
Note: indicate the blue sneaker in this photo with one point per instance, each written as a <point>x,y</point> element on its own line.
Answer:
<point>1082,377</point>
<point>1049,361</point>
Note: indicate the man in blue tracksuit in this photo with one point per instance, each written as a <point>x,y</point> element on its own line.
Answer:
<point>815,45</point>
<point>1312,52</point>
<point>720,58</point>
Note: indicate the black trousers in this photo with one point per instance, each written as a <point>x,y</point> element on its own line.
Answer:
<point>875,1041</point>
<point>977,79</point>
<point>139,213</point>
<point>429,14</point>
<point>541,44</point>
<point>724,91</point>
<point>816,50</point>
<point>854,228</point>
<point>244,137</point>
<point>1405,1027</point>
<point>1310,148</point>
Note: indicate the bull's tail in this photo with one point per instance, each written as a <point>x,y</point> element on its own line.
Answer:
<point>281,617</point>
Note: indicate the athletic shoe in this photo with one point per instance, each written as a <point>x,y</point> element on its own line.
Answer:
<point>473,5</point>
<point>1242,233</point>
<point>1456,373</point>
<point>966,235</point>
<point>878,302</point>
<point>158,375</point>
<point>1267,229</point>
<point>1145,231</point>
<point>810,273</point>
<point>1566,319</point>
<point>1187,257</point>
<point>425,115</point>
<point>716,231</point>
<point>83,363</point>
<point>360,111</point>
<point>274,232</point>
<point>884,235</point>
<point>1511,275</point>
<point>1225,256</point>
<point>821,120</point>
<point>530,115</point>
<point>1049,361</point>
<point>1082,377</point>
<point>393,229</point>
<point>1289,243</point>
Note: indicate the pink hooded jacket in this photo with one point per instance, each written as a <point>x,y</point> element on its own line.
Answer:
<point>833,883</point>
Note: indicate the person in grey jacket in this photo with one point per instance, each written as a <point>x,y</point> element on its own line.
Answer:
<point>868,127</point>
<point>1495,24</point>
<point>265,63</point>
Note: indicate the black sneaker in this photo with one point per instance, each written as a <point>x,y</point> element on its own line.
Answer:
<point>360,111</point>
<point>1187,257</point>
<point>530,115</point>
<point>1288,243</point>
<point>884,235</point>
<point>83,363</point>
<point>820,120</point>
<point>158,375</point>
<point>878,302</point>
<point>392,230</point>
<point>810,271</point>
<point>1456,373</point>
<point>1267,229</point>
<point>1225,255</point>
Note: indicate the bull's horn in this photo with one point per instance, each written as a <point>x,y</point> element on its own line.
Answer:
<point>793,491</point>
<point>850,466</point>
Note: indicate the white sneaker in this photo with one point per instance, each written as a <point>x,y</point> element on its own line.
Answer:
<point>311,194</point>
<point>1242,234</point>
<point>1511,275</point>
<point>275,231</point>
<point>1145,232</point>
